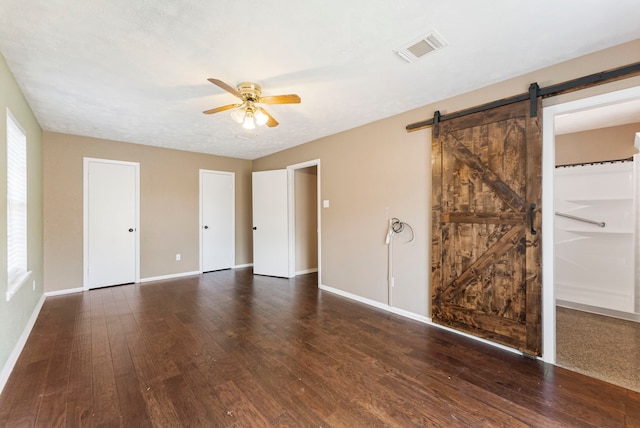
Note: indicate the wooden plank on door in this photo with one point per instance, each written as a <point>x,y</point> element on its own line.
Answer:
<point>486,261</point>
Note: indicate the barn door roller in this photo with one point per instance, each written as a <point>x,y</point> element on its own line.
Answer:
<point>534,93</point>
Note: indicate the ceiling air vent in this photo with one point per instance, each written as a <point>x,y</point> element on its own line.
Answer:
<point>424,45</point>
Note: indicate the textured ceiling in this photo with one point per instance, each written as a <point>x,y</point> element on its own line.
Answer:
<point>136,70</point>
<point>616,114</point>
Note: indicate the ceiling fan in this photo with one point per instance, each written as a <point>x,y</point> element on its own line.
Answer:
<point>248,113</point>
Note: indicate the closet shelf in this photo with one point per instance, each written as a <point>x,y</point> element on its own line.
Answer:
<point>595,201</point>
<point>599,231</point>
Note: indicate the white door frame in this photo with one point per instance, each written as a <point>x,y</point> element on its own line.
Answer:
<point>85,216</point>
<point>291,169</point>
<point>548,217</point>
<point>233,212</point>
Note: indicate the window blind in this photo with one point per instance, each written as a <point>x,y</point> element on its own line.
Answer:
<point>16,205</point>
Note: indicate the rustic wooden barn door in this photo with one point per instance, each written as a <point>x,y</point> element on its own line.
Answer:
<point>486,253</point>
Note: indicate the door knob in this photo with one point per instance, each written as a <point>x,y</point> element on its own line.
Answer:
<point>130,230</point>
<point>206,227</point>
<point>255,228</point>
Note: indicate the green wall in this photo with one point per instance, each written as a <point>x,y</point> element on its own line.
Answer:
<point>15,314</point>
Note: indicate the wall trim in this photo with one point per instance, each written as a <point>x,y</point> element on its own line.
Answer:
<point>22,340</point>
<point>548,218</point>
<point>627,316</point>
<point>376,304</point>
<point>306,271</point>
<point>246,265</point>
<point>170,276</point>
<point>63,292</point>
<point>413,316</point>
<point>479,339</point>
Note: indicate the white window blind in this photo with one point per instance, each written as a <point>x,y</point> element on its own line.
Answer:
<point>16,206</point>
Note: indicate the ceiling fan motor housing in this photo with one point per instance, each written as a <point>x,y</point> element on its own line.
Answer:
<point>250,91</point>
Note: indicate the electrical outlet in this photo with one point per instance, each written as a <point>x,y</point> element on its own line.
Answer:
<point>178,257</point>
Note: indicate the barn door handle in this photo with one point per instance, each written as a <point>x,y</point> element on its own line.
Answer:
<point>532,218</point>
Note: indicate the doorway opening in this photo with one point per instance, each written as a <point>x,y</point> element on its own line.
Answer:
<point>305,219</point>
<point>583,332</point>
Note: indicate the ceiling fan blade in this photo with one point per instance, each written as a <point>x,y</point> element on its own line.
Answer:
<point>221,84</point>
<point>280,99</point>
<point>271,122</point>
<point>223,108</point>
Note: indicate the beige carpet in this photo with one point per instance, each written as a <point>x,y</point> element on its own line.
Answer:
<point>601,347</point>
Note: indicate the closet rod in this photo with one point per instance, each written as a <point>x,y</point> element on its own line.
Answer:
<point>629,159</point>
<point>586,220</point>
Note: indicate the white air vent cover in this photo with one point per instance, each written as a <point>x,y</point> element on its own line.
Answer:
<point>424,45</point>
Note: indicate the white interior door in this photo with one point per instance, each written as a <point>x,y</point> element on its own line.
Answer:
<point>270,223</point>
<point>111,222</point>
<point>217,222</point>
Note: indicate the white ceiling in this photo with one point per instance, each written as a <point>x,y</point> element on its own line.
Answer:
<point>136,70</point>
<point>604,116</point>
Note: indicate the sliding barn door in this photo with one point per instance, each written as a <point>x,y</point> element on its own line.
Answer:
<point>486,253</point>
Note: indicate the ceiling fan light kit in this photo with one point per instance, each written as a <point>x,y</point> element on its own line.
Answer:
<point>248,113</point>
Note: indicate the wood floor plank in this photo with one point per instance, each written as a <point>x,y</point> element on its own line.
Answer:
<point>52,411</point>
<point>232,349</point>
<point>270,407</point>
<point>133,409</point>
<point>26,403</point>
<point>79,406</point>
<point>632,409</point>
<point>106,408</point>
<point>188,407</point>
<point>240,408</point>
<point>510,382</point>
<point>158,403</point>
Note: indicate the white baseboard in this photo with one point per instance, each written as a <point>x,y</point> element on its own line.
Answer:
<point>479,339</point>
<point>171,276</point>
<point>22,340</point>
<point>376,304</point>
<point>411,315</point>
<point>246,265</point>
<point>599,311</point>
<point>306,271</point>
<point>62,292</point>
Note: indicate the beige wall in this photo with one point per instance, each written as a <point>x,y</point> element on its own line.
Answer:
<point>306,218</point>
<point>379,170</point>
<point>169,206</point>
<point>596,145</point>
<point>369,174</point>
<point>15,314</point>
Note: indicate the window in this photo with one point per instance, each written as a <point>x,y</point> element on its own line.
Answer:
<point>16,206</point>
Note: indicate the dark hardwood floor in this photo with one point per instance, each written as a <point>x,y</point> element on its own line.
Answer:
<point>230,349</point>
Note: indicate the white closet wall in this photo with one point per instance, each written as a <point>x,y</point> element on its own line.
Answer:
<point>595,265</point>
